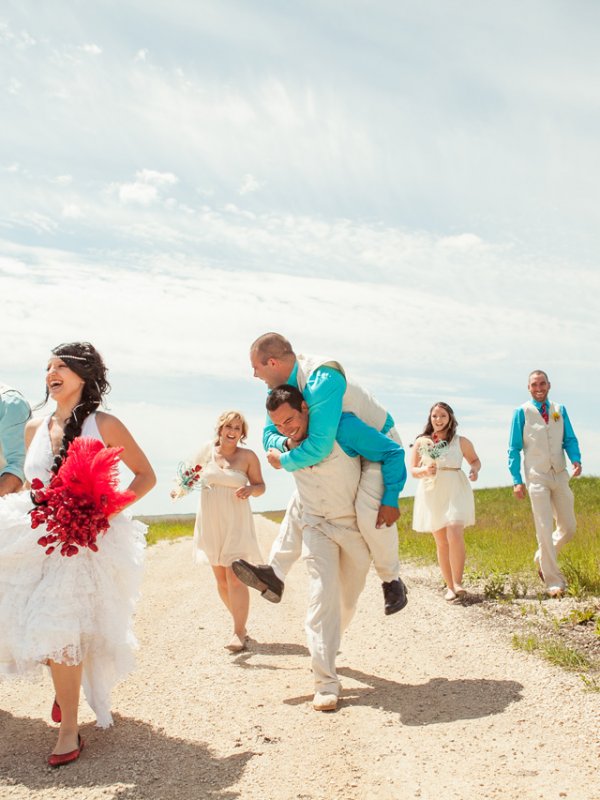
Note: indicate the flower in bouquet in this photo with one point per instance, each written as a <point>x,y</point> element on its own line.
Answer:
<point>428,449</point>
<point>76,505</point>
<point>187,479</point>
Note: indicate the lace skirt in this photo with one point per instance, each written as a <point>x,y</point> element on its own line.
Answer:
<point>69,610</point>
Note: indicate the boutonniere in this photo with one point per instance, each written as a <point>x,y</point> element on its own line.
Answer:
<point>555,416</point>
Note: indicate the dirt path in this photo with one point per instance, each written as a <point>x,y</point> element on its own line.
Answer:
<point>436,704</point>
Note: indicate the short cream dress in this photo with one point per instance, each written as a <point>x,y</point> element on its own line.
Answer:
<point>447,496</point>
<point>224,529</point>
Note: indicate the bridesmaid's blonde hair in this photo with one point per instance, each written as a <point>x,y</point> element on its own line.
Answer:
<point>229,416</point>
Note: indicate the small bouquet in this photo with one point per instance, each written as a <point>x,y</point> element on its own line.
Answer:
<point>187,479</point>
<point>76,505</point>
<point>430,451</point>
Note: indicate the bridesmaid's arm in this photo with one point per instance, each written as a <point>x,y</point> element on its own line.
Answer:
<point>471,456</point>
<point>255,486</point>
<point>115,434</point>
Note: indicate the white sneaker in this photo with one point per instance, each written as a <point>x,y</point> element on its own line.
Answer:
<point>325,701</point>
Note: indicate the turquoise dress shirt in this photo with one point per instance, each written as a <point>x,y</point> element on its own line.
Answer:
<point>14,413</point>
<point>323,394</point>
<point>356,438</point>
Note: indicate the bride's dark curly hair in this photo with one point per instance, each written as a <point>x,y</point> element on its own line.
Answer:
<point>84,360</point>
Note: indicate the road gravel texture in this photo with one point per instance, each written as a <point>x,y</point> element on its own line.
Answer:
<point>436,705</point>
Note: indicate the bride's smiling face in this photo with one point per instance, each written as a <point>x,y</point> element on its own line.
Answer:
<point>61,381</point>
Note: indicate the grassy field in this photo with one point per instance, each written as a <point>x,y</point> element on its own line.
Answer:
<point>168,527</point>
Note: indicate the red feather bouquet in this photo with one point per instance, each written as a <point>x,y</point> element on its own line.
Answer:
<point>76,504</point>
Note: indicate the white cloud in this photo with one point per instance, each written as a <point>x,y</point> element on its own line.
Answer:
<point>250,184</point>
<point>141,55</point>
<point>145,190</point>
<point>14,86</point>
<point>92,49</point>
<point>72,211</point>
<point>20,40</point>
<point>155,178</point>
<point>138,192</point>
<point>39,223</point>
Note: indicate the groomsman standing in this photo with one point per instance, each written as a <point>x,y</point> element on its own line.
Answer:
<point>543,431</point>
<point>14,413</point>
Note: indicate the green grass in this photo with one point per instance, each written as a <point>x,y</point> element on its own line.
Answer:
<point>554,651</point>
<point>501,545</point>
<point>164,529</point>
<point>274,516</point>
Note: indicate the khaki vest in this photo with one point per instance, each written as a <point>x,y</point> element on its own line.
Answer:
<point>328,489</point>
<point>356,399</point>
<point>543,444</point>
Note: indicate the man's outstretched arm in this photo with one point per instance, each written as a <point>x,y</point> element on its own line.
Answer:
<point>324,394</point>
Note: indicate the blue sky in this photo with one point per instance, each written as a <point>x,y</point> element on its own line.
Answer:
<point>410,188</point>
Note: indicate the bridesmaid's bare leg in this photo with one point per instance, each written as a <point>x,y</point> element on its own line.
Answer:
<point>222,586</point>
<point>239,597</point>
<point>456,543</point>
<point>443,557</point>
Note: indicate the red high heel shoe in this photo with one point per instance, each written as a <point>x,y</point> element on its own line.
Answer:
<point>55,714</point>
<point>59,759</point>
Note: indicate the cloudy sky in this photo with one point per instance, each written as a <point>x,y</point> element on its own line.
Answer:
<point>412,188</point>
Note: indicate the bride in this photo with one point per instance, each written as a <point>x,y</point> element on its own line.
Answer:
<point>73,614</point>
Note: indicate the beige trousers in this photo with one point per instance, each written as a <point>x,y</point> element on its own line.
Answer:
<point>338,560</point>
<point>287,547</point>
<point>382,542</point>
<point>552,499</point>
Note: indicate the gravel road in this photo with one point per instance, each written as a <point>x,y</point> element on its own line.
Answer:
<point>436,705</point>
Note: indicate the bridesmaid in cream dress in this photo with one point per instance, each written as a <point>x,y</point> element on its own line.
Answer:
<point>444,502</point>
<point>224,529</point>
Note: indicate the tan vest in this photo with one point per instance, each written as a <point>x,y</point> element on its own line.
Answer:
<point>543,444</point>
<point>356,399</point>
<point>328,489</point>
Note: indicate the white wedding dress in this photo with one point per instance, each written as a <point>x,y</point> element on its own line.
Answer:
<point>67,609</point>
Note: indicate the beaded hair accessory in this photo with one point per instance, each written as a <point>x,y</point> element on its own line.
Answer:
<point>67,355</point>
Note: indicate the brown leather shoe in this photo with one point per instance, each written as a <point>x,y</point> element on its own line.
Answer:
<point>260,577</point>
